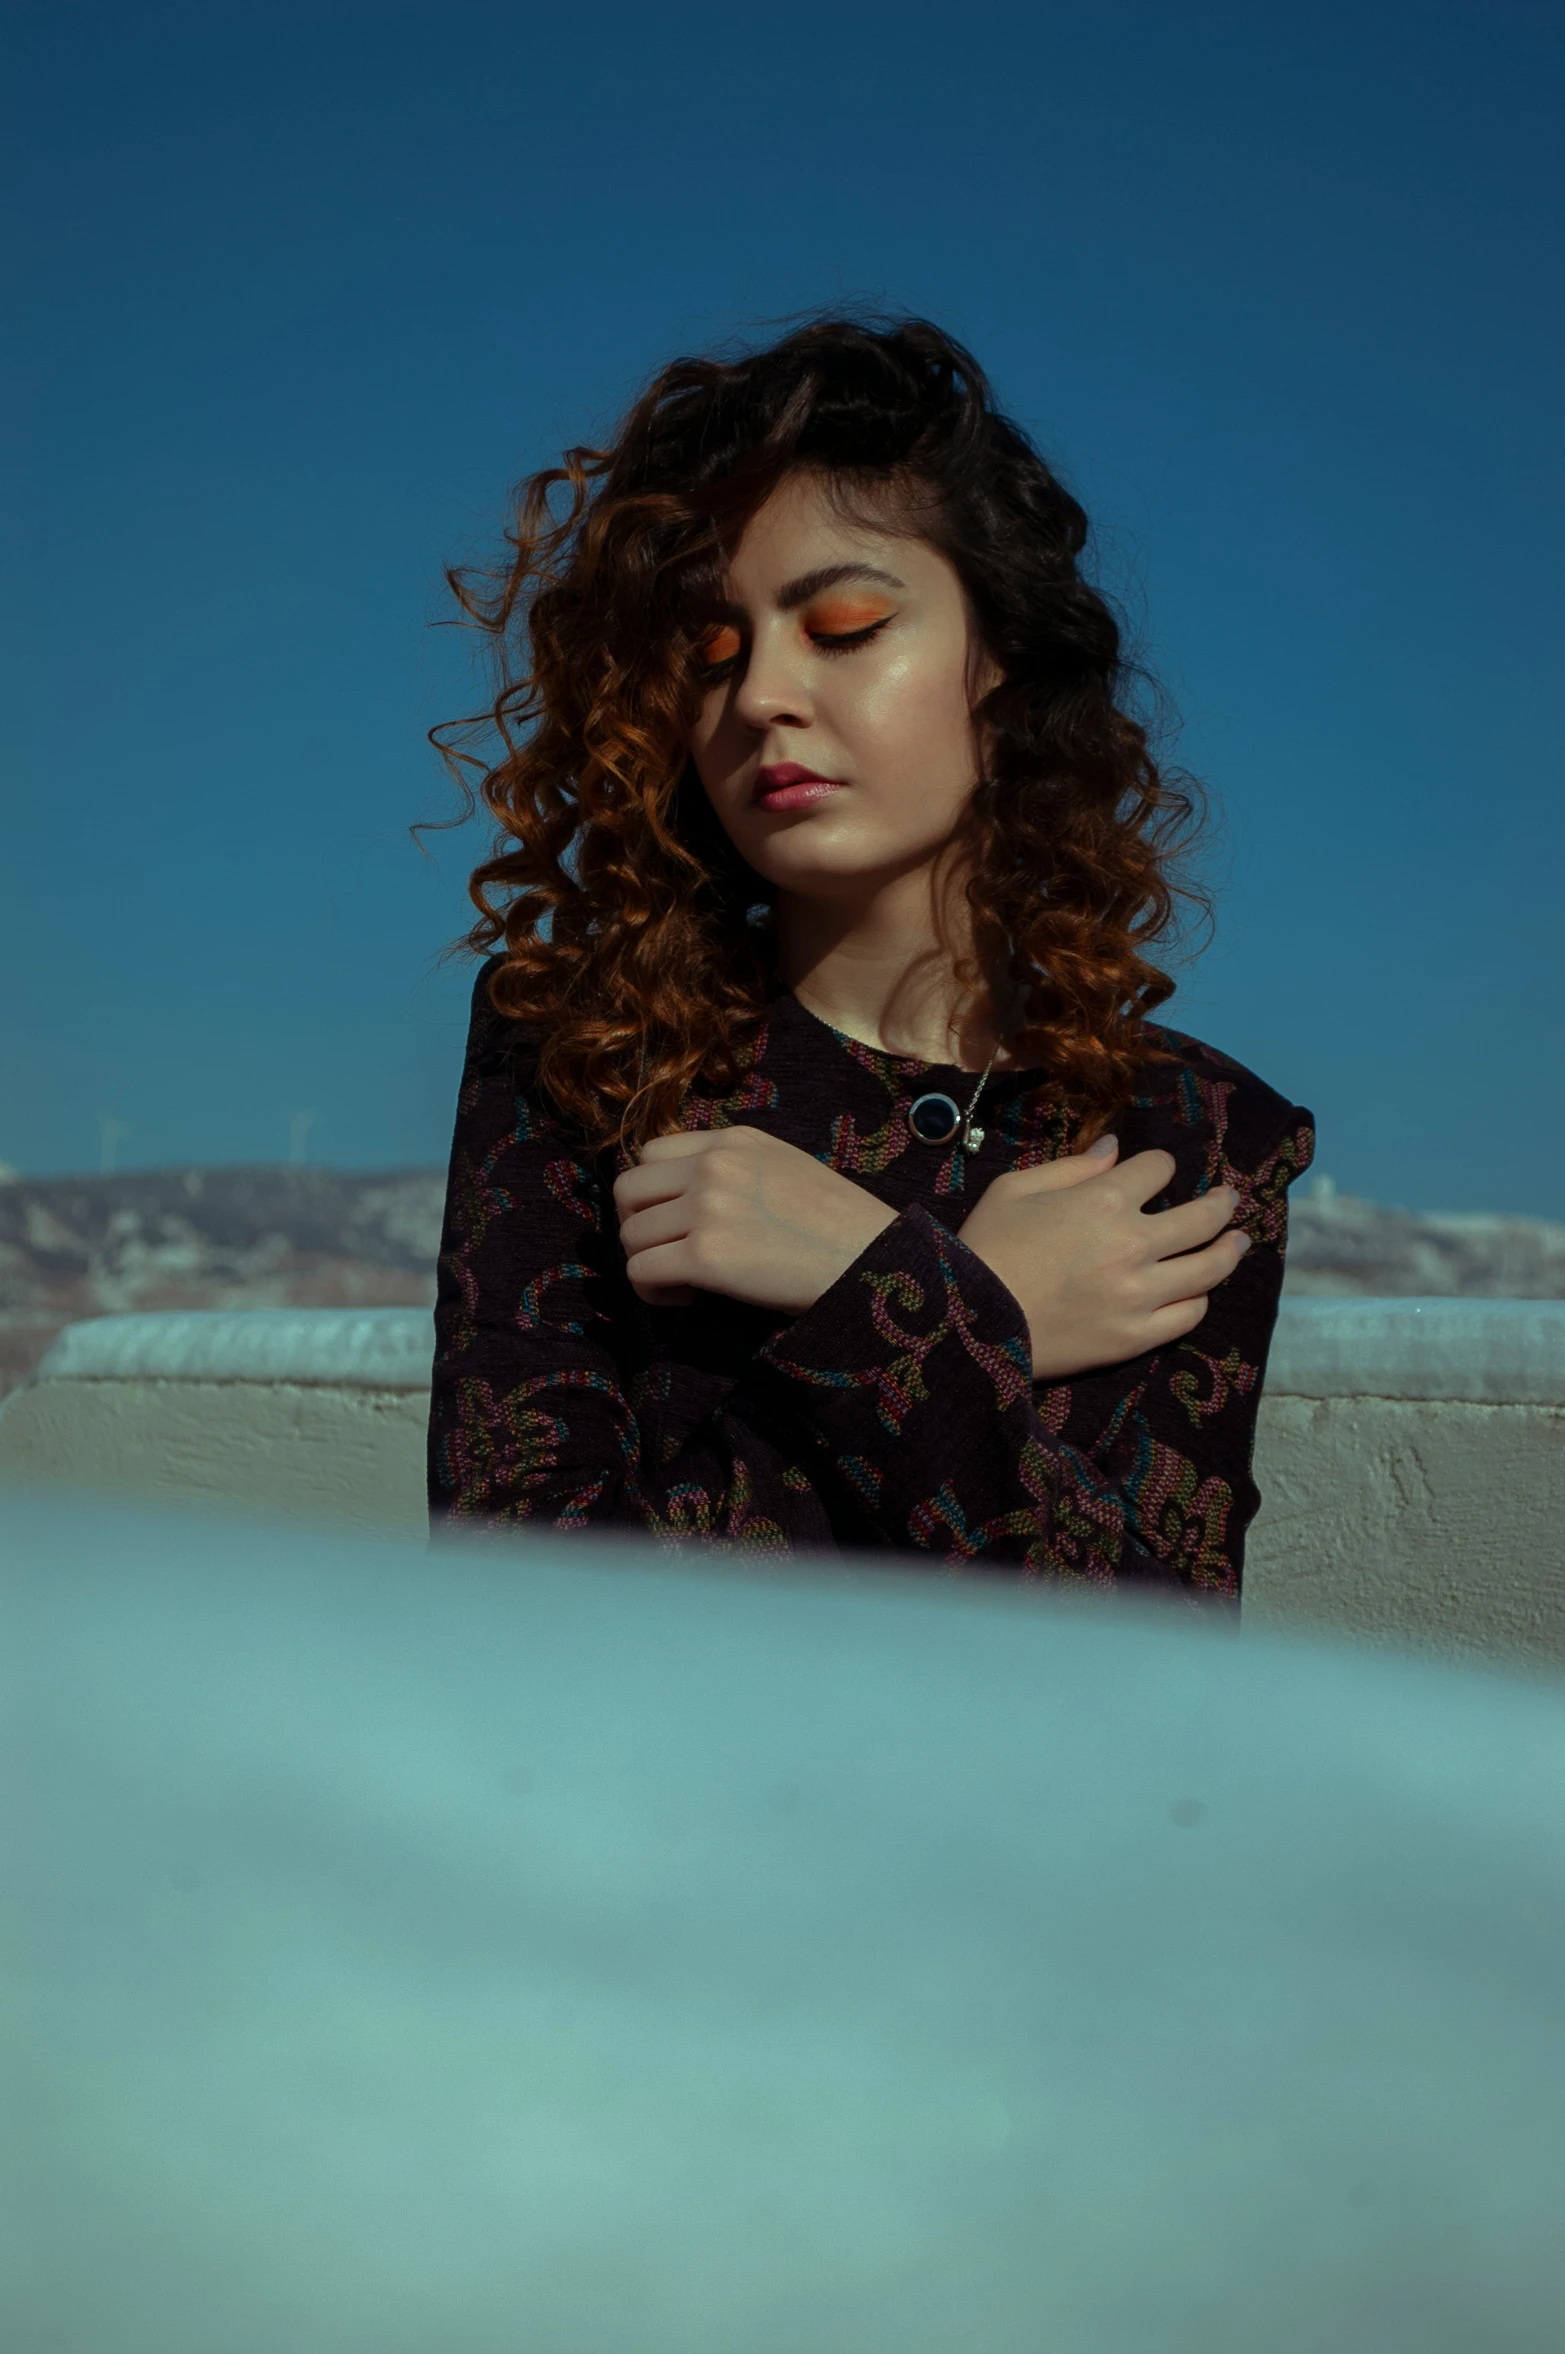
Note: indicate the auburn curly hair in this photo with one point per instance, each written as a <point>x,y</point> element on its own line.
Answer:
<point>632,948</point>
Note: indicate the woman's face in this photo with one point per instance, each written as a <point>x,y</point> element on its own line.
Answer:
<point>835,737</point>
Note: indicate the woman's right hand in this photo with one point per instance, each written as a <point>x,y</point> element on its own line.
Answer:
<point>1098,1277</point>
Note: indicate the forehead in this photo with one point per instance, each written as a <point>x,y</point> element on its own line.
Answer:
<point>803,526</point>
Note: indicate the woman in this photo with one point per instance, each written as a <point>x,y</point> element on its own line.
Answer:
<point>819,1179</point>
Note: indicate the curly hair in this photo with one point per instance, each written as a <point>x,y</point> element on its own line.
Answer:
<point>631,949</point>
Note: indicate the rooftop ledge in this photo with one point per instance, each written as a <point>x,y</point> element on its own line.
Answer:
<point>324,1348</point>
<point>1495,1352</point>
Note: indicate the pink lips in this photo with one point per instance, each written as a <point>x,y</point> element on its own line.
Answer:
<point>788,786</point>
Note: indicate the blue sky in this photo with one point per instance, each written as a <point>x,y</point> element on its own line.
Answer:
<point>304,288</point>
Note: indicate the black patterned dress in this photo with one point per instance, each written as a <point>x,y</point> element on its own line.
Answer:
<point>898,1413</point>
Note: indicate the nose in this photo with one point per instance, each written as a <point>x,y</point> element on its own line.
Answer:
<point>775,689</point>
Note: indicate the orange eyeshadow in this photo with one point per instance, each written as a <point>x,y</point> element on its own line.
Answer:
<point>720,644</point>
<point>841,615</point>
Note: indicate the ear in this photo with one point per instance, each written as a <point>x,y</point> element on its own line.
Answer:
<point>983,672</point>
<point>983,676</point>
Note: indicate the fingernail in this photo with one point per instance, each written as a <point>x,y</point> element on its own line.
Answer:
<point>1244,1244</point>
<point>1105,1144</point>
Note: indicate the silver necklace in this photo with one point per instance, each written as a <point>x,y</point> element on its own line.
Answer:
<point>936,1118</point>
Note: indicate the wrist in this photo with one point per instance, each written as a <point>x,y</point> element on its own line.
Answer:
<point>857,1232</point>
<point>875,1219</point>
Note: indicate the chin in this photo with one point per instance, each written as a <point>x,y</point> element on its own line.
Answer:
<point>796,864</point>
<point>824,841</point>
<point>811,858</point>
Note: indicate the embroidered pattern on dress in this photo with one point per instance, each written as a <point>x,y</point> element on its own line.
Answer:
<point>913,1384</point>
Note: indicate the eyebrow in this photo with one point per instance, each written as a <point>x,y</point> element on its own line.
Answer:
<point>810,584</point>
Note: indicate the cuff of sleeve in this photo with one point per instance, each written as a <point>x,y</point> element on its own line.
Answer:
<point>857,1366</point>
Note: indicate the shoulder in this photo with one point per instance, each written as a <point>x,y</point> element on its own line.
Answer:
<point>498,1046</point>
<point>500,1088</point>
<point>1190,1082</point>
<point>1210,1112</point>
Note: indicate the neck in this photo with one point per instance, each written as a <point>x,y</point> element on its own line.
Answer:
<point>894,969</point>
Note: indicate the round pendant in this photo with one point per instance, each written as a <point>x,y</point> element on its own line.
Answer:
<point>934,1119</point>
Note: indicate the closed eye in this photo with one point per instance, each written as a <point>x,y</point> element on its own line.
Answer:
<point>843,641</point>
<point>717,653</point>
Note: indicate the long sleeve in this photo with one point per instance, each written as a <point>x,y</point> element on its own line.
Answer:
<point>917,1370</point>
<point>538,1413</point>
<point>897,1413</point>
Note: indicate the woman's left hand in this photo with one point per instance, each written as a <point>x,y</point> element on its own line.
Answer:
<point>734,1210</point>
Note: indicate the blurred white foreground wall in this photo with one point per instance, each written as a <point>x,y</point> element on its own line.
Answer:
<point>1411,1452</point>
<point>549,1950</point>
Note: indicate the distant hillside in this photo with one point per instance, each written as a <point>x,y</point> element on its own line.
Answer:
<point>324,1238</point>
<point>209,1238</point>
<point>1338,1244</point>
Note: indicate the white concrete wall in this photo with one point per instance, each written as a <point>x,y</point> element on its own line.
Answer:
<point>313,1415</point>
<point>1436,1520</point>
<point>1411,1453</point>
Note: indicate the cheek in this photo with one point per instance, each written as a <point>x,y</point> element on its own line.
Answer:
<point>918,717</point>
<point>714,757</point>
